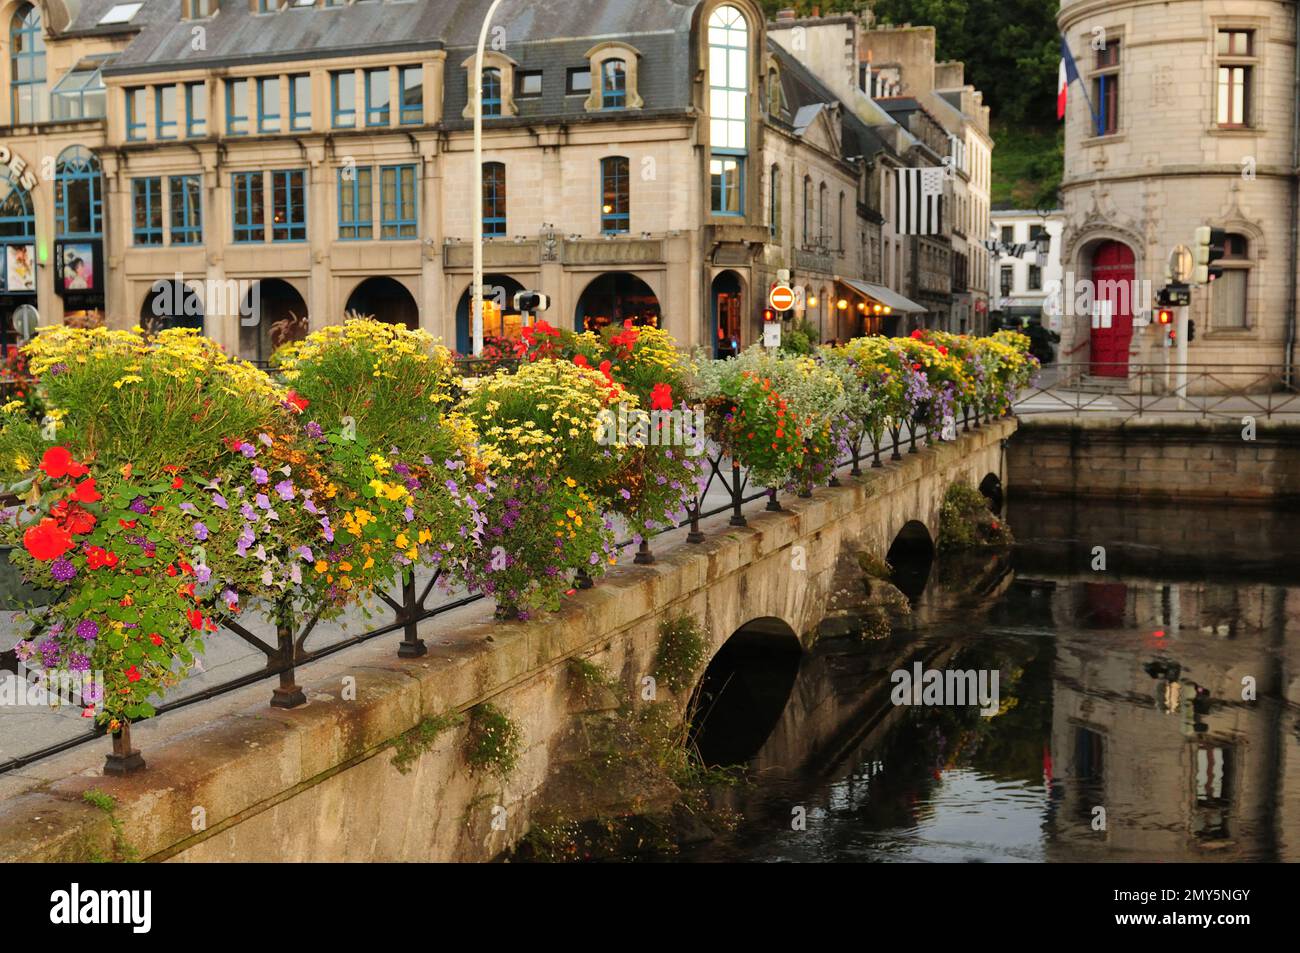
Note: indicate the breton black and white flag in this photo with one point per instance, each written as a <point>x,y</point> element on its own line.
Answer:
<point>918,201</point>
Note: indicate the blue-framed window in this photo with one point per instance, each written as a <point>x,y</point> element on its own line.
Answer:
<point>147,210</point>
<point>728,109</point>
<point>196,110</point>
<point>186,195</point>
<point>27,60</point>
<point>398,202</point>
<point>343,99</point>
<point>494,199</point>
<point>78,194</point>
<point>164,112</point>
<point>411,91</point>
<point>16,218</point>
<point>80,94</point>
<point>615,197</point>
<point>492,91</point>
<point>774,203</point>
<point>268,104</point>
<point>249,207</point>
<point>727,184</point>
<point>289,205</point>
<point>300,102</point>
<point>356,198</point>
<point>135,113</point>
<point>613,84</point>
<point>236,107</point>
<point>378,97</point>
<point>268,6</point>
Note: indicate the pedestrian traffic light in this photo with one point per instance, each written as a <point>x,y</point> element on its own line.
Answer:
<point>769,314</point>
<point>1165,316</point>
<point>1210,247</point>
<point>1191,330</point>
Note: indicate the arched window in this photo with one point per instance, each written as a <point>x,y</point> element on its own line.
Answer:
<point>27,58</point>
<point>16,219</point>
<point>492,92</point>
<point>613,84</point>
<point>774,202</point>
<point>839,225</point>
<point>728,108</point>
<point>615,201</point>
<point>494,199</point>
<point>774,93</point>
<point>823,233</point>
<point>807,211</point>
<point>78,193</point>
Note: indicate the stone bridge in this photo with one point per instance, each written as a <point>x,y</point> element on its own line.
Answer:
<point>233,779</point>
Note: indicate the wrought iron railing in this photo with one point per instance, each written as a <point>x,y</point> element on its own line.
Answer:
<point>409,607</point>
<point>1128,391</point>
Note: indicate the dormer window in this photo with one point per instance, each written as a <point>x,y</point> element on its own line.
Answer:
<point>613,69</point>
<point>198,9</point>
<point>613,84</point>
<point>498,85</point>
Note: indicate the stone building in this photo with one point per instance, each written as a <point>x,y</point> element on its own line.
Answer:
<point>258,167</point>
<point>1023,284</point>
<point>1193,123</point>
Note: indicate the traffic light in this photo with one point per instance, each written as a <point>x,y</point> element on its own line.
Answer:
<point>769,314</point>
<point>1191,330</point>
<point>1165,316</point>
<point>1210,247</point>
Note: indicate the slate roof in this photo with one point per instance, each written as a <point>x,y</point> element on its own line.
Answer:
<point>237,35</point>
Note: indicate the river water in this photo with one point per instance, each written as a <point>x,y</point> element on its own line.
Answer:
<point>1148,663</point>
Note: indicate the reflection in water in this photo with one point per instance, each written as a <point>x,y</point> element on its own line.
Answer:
<point>1149,711</point>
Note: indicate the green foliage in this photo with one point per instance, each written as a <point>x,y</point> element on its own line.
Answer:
<point>802,338</point>
<point>495,741</point>
<point>123,852</point>
<point>875,566</point>
<point>682,649</point>
<point>409,746</point>
<point>589,678</point>
<point>1028,162</point>
<point>965,520</point>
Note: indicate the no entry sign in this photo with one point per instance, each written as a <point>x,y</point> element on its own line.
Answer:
<point>781,297</point>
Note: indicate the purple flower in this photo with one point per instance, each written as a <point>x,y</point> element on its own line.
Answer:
<point>138,505</point>
<point>305,553</point>
<point>92,693</point>
<point>451,485</point>
<point>62,569</point>
<point>200,532</point>
<point>24,650</point>
<point>188,507</point>
<point>88,629</point>
<point>50,653</point>
<point>259,476</point>
<point>263,501</point>
<point>220,501</point>
<point>203,574</point>
<point>248,450</point>
<point>329,530</point>
<point>248,513</point>
<point>285,489</point>
<point>311,508</point>
<point>78,662</point>
<point>265,438</point>
<point>314,430</point>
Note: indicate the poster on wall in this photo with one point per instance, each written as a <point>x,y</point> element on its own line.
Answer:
<point>20,263</point>
<point>77,266</point>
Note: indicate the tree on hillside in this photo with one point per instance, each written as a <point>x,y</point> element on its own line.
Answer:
<point>1010,47</point>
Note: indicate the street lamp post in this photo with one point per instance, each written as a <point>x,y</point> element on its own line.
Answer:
<point>476,289</point>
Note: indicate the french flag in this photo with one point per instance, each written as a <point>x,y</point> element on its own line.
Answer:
<point>1069,74</point>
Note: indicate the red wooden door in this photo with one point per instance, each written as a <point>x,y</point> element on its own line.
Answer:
<point>1112,321</point>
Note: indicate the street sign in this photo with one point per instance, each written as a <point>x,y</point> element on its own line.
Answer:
<point>1181,264</point>
<point>772,334</point>
<point>781,297</point>
<point>26,319</point>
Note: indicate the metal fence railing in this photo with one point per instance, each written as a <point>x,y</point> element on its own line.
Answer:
<point>289,648</point>
<point>1128,391</point>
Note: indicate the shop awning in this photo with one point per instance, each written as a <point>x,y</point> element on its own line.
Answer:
<point>885,296</point>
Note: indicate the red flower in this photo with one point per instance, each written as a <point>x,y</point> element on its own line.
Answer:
<point>73,517</point>
<point>98,558</point>
<point>155,638</point>
<point>943,350</point>
<point>47,540</point>
<point>58,462</point>
<point>177,483</point>
<point>86,492</point>
<point>918,334</point>
<point>132,675</point>
<point>581,361</point>
<point>604,369</point>
<point>195,618</point>
<point>661,397</point>
<point>297,401</point>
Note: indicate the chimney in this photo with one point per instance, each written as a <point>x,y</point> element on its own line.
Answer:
<point>785,16</point>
